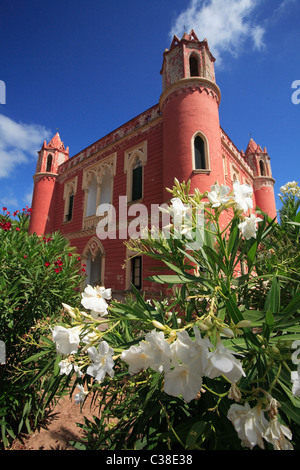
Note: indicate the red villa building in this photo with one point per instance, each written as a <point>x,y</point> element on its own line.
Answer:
<point>178,137</point>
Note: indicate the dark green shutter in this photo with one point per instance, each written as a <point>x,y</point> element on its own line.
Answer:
<point>137,183</point>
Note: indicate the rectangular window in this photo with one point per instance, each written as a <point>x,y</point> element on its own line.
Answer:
<point>136,272</point>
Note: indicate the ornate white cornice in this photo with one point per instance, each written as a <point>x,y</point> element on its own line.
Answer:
<point>184,85</point>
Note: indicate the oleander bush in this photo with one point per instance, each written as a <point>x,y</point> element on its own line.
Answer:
<point>37,274</point>
<point>212,365</point>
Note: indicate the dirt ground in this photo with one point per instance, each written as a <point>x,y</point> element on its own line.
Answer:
<point>59,429</point>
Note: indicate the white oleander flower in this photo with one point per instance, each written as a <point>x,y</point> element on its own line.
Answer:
<point>94,299</point>
<point>295,377</point>
<point>189,352</point>
<point>137,357</point>
<point>189,359</point>
<point>292,188</point>
<point>181,214</point>
<point>182,380</point>
<point>154,351</point>
<point>248,226</point>
<point>65,366</point>
<point>249,423</point>
<point>277,434</point>
<point>221,361</point>
<point>79,397</point>
<point>102,361</point>
<point>243,196</point>
<point>66,339</point>
<point>218,195</point>
<point>160,351</point>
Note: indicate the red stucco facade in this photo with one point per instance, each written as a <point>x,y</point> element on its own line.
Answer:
<point>161,140</point>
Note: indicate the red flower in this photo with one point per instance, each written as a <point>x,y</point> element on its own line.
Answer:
<point>17,228</point>
<point>4,208</point>
<point>57,270</point>
<point>47,264</point>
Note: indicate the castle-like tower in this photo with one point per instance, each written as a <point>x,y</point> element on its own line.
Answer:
<point>179,137</point>
<point>50,157</point>
<point>190,106</point>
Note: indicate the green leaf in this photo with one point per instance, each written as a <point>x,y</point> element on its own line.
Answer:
<point>251,254</point>
<point>194,434</point>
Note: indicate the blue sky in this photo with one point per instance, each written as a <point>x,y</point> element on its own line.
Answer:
<point>86,67</point>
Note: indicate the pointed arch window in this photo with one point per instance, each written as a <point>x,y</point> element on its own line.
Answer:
<point>106,188</point>
<point>93,269</point>
<point>194,66</point>
<point>97,184</point>
<point>93,257</point>
<point>200,153</point>
<point>49,163</point>
<point>70,190</point>
<point>135,160</point>
<point>262,168</point>
<point>199,148</point>
<point>92,197</point>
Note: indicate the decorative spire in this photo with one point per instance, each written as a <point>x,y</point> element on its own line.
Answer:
<point>56,142</point>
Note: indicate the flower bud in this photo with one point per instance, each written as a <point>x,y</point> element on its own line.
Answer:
<point>70,310</point>
<point>227,332</point>
<point>202,326</point>
<point>158,325</point>
<point>243,324</point>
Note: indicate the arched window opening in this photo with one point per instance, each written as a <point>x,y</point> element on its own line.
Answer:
<point>194,69</point>
<point>262,168</point>
<point>49,163</point>
<point>105,197</point>
<point>137,181</point>
<point>199,153</point>
<point>70,209</point>
<point>93,269</point>
<point>92,198</point>
<point>136,272</point>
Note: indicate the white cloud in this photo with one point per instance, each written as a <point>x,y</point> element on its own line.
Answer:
<point>226,24</point>
<point>19,143</point>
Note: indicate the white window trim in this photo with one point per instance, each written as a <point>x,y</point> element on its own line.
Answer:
<point>129,255</point>
<point>92,248</point>
<point>70,187</point>
<point>130,158</point>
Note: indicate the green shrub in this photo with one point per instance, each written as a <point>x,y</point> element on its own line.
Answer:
<point>37,274</point>
<point>211,366</point>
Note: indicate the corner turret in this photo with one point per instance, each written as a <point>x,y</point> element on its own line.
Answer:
<point>50,157</point>
<point>263,184</point>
